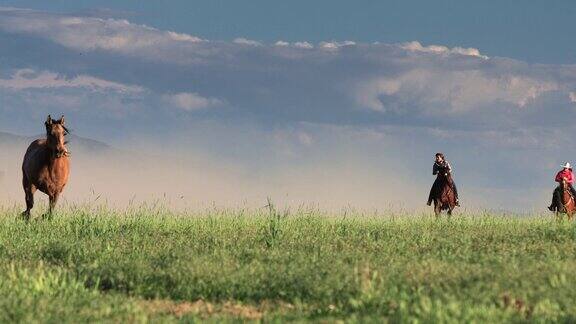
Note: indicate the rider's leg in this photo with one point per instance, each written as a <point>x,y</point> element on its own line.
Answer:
<point>554,203</point>
<point>433,191</point>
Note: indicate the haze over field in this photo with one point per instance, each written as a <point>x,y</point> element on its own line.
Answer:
<point>121,177</point>
<point>335,122</point>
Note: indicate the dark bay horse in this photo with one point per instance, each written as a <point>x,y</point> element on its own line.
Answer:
<point>443,194</point>
<point>566,204</point>
<point>46,166</point>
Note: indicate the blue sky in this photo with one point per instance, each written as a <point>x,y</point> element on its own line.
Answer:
<point>340,96</point>
<point>533,31</point>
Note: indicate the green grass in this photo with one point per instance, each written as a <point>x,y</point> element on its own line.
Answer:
<point>150,265</point>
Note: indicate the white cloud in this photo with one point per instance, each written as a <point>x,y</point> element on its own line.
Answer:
<point>441,91</point>
<point>572,96</point>
<point>438,49</point>
<point>282,43</point>
<point>192,101</point>
<point>183,37</point>
<point>245,41</point>
<point>30,79</point>
<point>331,46</point>
<point>304,45</point>
<point>90,34</point>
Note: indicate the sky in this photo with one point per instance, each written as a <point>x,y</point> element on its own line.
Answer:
<point>533,31</point>
<point>309,97</point>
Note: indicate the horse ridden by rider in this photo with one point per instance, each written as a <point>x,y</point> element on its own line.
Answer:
<point>563,177</point>
<point>443,192</point>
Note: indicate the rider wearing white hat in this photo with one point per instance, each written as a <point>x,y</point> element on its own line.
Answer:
<point>564,174</point>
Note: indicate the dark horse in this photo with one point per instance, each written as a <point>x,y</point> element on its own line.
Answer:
<point>566,203</point>
<point>443,194</point>
<point>46,166</point>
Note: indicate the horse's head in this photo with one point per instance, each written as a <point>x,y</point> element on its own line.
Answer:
<point>55,132</point>
<point>564,184</point>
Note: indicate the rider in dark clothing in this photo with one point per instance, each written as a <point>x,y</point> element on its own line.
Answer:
<point>441,166</point>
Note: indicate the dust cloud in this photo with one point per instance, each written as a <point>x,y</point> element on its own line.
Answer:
<point>120,178</point>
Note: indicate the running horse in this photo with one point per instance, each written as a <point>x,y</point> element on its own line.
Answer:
<point>444,198</point>
<point>566,201</point>
<point>46,166</point>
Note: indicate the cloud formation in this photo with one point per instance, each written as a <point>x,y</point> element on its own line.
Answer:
<point>192,101</point>
<point>91,33</point>
<point>415,46</point>
<point>284,105</point>
<point>452,91</point>
<point>29,79</point>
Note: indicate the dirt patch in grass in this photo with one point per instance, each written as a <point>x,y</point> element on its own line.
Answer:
<point>201,308</point>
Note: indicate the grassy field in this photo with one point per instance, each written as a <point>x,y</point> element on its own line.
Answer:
<point>150,265</point>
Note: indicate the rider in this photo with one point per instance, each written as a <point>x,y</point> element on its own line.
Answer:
<point>441,166</point>
<point>565,173</point>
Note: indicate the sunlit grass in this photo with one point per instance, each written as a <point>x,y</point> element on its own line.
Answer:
<point>95,263</point>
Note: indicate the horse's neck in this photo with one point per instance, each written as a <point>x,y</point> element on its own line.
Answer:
<point>52,162</point>
<point>50,155</point>
<point>566,193</point>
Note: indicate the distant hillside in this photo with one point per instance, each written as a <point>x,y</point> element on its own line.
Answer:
<point>11,139</point>
<point>76,144</point>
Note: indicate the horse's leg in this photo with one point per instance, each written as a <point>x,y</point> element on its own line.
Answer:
<point>29,190</point>
<point>451,202</point>
<point>53,199</point>
<point>437,207</point>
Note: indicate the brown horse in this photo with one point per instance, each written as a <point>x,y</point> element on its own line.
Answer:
<point>46,166</point>
<point>444,198</point>
<point>567,204</point>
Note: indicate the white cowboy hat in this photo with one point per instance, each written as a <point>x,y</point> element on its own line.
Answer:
<point>567,166</point>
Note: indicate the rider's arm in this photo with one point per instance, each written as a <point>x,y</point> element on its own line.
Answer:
<point>558,177</point>
<point>435,169</point>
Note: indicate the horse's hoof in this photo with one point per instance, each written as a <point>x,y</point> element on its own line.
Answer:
<point>25,216</point>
